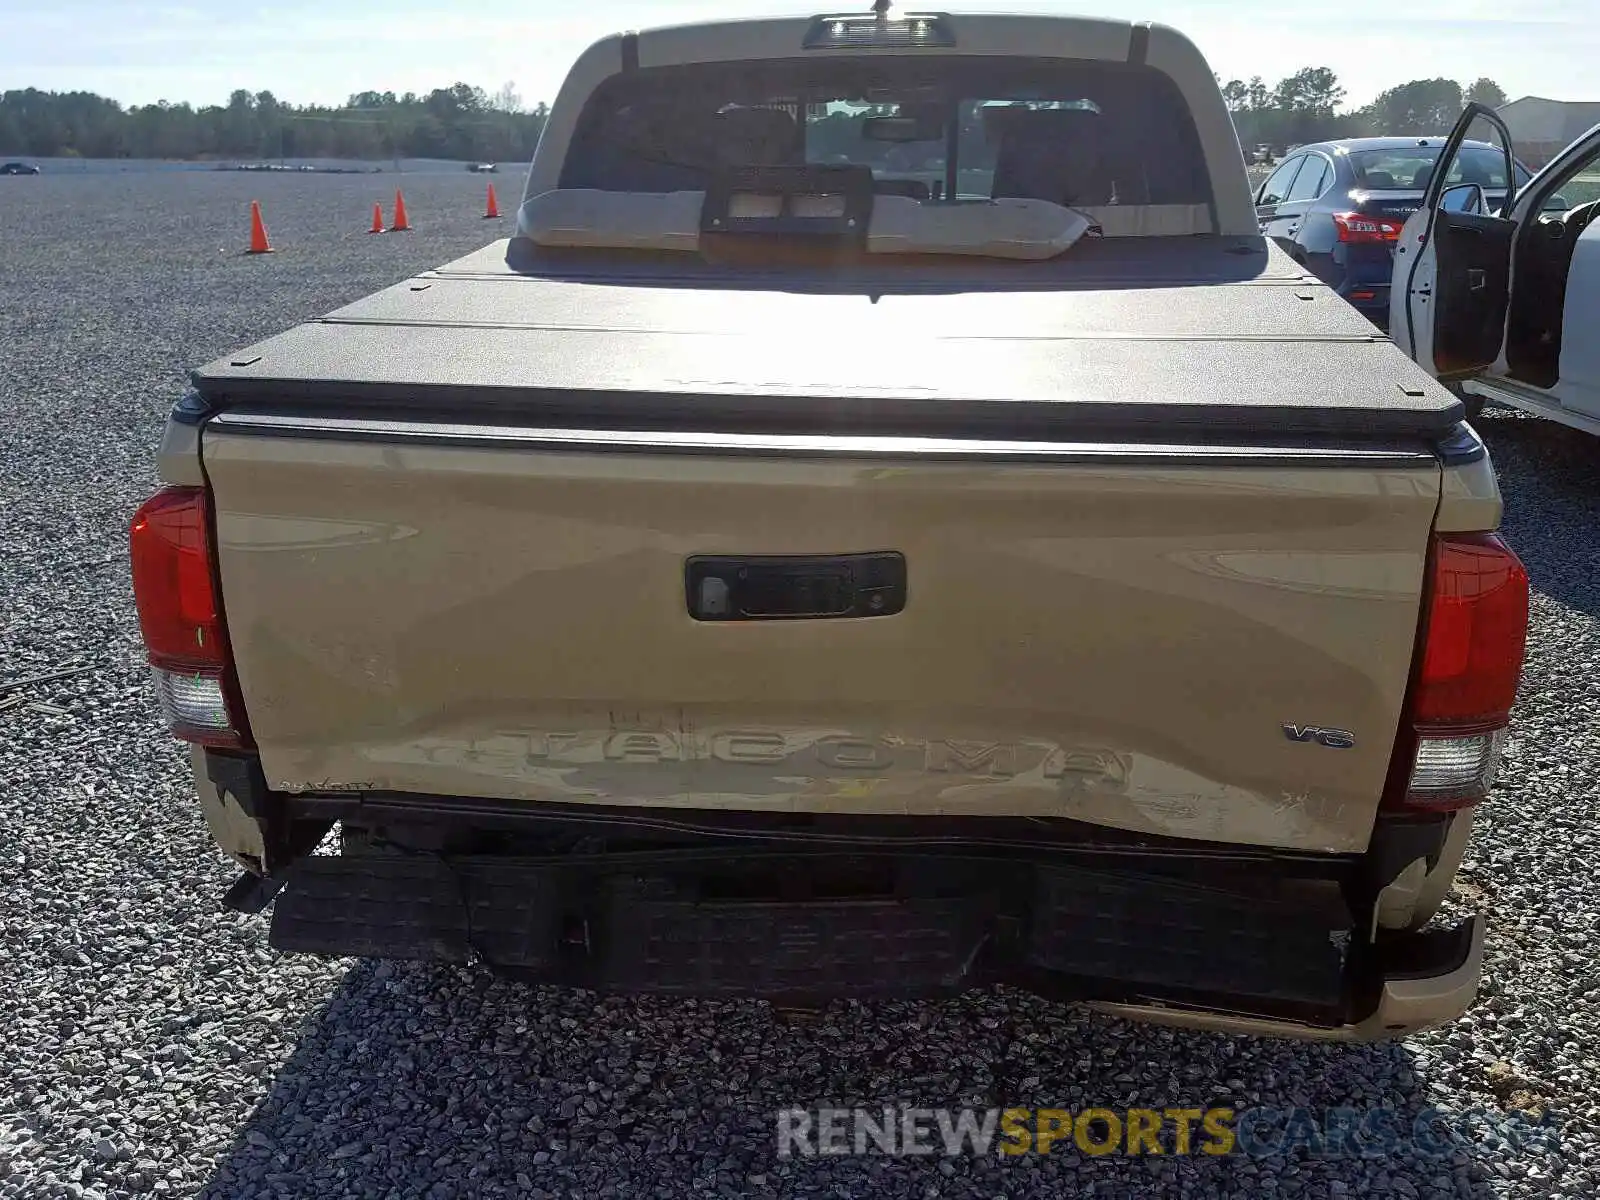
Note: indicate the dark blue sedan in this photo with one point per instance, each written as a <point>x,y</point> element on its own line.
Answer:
<point>1338,206</point>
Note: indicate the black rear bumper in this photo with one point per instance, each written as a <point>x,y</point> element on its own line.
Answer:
<point>1224,930</point>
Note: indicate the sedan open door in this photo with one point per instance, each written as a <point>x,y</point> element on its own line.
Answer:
<point>1501,302</point>
<point>1451,280</point>
<point>1551,361</point>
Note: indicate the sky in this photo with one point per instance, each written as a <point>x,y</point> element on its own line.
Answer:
<point>305,51</point>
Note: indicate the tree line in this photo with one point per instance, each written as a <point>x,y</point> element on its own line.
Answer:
<point>1306,107</point>
<point>467,123</point>
<point>457,122</point>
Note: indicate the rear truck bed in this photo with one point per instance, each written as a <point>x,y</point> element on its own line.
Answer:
<point>849,639</point>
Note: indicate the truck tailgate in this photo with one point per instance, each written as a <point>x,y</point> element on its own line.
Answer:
<point>1118,636</point>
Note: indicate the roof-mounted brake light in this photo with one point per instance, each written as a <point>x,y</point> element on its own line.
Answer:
<point>878,30</point>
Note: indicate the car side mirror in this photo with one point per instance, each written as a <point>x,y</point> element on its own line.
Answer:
<point>1463,198</point>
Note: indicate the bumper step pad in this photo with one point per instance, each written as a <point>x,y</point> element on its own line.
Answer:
<point>1178,937</point>
<point>845,948</point>
<point>940,927</point>
<point>418,908</point>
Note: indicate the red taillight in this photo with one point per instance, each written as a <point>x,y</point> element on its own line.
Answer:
<point>174,587</point>
<point>1360,227</point>
<point>1474,635</point>
<point>1474,631</point>
<point>170,542</point>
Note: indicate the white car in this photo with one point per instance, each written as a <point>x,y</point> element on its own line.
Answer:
<point>1506,306</point>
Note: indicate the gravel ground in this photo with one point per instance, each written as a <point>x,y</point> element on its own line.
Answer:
<point>152,1044</point>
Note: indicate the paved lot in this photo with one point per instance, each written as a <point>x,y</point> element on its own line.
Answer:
<point>152,1044</point>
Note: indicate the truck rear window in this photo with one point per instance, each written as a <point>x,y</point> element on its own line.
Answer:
<point>940,130</point>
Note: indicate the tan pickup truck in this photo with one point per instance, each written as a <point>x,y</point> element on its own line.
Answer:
<point>886,524</point>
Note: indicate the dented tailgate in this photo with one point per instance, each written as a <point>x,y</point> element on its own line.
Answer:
<point>1207,644</point>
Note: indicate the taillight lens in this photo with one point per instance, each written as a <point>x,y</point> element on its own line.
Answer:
<point>1476,630</point>
<point>1473,637</point>
<point>174,587</point>
<point>1361,227</point>
<point>170,542</point>
<point>1450,772</point>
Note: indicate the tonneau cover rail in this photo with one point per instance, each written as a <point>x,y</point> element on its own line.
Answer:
<point>444,432</point>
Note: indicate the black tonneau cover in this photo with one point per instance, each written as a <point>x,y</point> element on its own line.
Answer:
<point>1211,337</point>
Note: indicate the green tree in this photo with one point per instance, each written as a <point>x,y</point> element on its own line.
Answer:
<point>1302,107</point>
<point>1314,91</point>
<point>1423,106</point>
<point>238,133</point>
<point>1305,104</point>
<point>1486,91</point>
<point>460,121</point>
<point>507,99</point>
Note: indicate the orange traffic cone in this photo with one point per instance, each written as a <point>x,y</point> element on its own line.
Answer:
<point>401,225</point>
<point>494,207</point>
<point>258,232</point>
<point>377,219</point>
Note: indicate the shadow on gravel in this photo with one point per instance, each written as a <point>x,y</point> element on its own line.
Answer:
<point>445,1082</point>
<point>1550,476</point>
